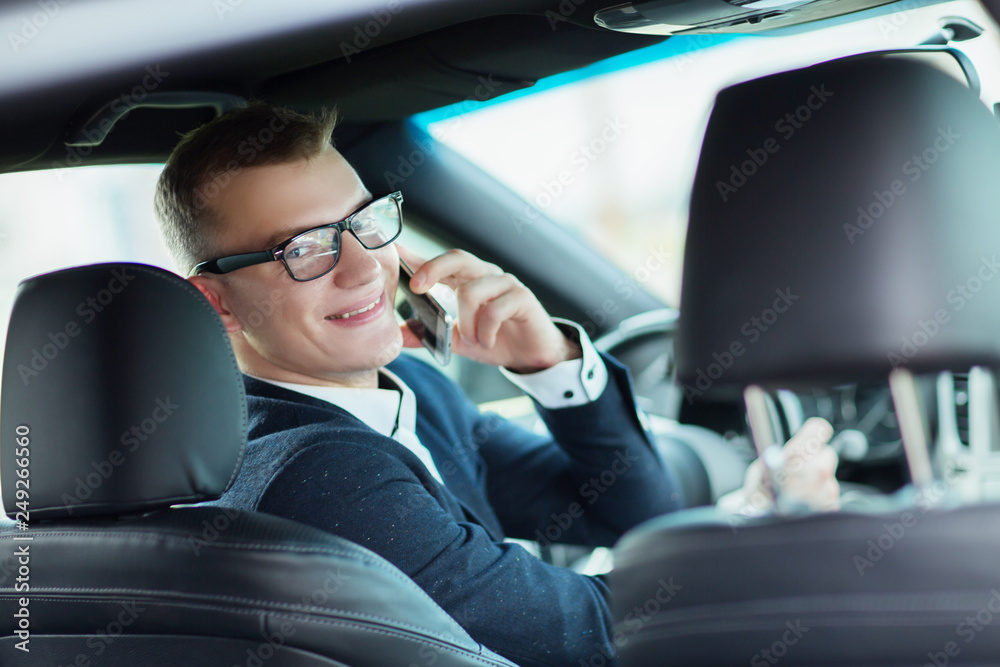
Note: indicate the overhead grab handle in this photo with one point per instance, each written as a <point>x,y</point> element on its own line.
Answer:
<point>95,129</point>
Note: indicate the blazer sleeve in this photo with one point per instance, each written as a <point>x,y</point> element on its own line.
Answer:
<point>595,476</point>
<point>528,611</point>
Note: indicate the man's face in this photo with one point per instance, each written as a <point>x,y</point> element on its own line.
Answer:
<point>296,331</point>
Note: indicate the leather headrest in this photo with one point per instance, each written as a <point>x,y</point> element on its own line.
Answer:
<point>121,394</point>
<point>845,219</point>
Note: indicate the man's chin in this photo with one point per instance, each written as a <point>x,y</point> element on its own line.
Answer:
<point>379,350</point>
<point>324,356</point>
<point>391,352</point>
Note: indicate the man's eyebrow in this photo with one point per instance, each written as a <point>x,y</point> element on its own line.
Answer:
<point>290,232</point>
<point>286,234</point>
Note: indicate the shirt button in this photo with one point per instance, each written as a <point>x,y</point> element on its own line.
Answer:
<point>568,393</point>
<point>590,374</point>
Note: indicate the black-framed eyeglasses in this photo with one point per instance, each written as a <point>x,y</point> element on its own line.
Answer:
<point>314,252</point>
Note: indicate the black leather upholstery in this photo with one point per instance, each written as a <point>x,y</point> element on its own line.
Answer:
<point>893,587</point>
<point>818,245</point>
<point>689,467</point>
<point>122,375</point>
<point>138,408</point>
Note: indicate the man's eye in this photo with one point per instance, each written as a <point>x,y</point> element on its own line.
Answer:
<point>363,225</point>
<point>302,251</point>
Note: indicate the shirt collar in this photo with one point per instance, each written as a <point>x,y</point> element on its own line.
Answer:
<point>379,408</point>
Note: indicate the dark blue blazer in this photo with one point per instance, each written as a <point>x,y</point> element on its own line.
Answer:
<point>596,476</point>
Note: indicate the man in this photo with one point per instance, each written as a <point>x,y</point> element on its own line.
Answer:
<point>349,436</point>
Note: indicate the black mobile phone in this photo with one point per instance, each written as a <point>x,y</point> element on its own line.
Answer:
<point>429,315</point>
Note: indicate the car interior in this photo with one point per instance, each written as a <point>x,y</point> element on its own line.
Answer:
<point>836,236</point>
<point>885,580</point>
<point>267,588</point>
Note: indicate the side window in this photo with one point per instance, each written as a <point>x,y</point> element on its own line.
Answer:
<point>60,218</point>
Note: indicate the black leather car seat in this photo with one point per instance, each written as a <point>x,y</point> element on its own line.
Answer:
<point>834,210</point>
<point>122,400</point>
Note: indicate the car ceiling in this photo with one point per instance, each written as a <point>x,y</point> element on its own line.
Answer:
<point>422,54</point>
<point>302,54</point>
<point>378,60</point>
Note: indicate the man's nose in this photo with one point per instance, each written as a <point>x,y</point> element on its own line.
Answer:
<point>357,265</point>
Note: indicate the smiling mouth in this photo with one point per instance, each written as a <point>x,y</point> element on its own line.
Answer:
<point>356,312</point>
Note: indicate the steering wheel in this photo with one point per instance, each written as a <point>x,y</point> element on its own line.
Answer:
<point>645,344</point>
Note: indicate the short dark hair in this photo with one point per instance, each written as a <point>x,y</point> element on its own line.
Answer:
<point>208,157</point>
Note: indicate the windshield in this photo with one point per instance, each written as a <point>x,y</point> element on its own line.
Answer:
<point>621,139</point>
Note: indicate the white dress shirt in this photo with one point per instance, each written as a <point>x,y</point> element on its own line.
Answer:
<point>393,412</point>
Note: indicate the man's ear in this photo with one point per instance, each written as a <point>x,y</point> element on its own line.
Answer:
<point>214,291</point>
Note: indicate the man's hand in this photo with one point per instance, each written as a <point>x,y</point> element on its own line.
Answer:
<point>500,322</point>
<point>807,476</point>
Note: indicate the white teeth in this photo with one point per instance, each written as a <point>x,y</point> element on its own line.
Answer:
<point>356,312</point>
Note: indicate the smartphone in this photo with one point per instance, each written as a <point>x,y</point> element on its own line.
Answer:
<point>430,316</point>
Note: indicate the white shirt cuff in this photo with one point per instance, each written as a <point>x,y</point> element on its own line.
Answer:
<point>568,383</point>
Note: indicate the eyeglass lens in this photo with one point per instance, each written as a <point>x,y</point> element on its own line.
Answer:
<point>315,252</point>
